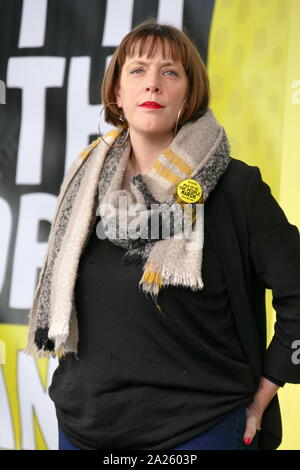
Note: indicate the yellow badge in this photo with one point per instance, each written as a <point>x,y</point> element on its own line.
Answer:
<point>189,191</point>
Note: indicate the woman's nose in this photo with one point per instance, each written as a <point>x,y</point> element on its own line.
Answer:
<point>152,88</point>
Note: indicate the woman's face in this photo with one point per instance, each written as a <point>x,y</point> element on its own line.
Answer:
<point>156,80</point>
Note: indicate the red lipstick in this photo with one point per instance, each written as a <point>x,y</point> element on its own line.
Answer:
<point>151,105</point>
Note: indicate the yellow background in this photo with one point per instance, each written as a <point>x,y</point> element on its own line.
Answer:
<point>254,57</point>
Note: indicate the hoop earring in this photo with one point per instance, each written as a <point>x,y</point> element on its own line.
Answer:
<point>122,118</point>
<point>178,116</point>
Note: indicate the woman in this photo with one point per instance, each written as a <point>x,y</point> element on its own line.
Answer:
<point>162,339</point>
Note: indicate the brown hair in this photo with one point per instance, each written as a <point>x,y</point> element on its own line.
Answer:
<point>182,50</point>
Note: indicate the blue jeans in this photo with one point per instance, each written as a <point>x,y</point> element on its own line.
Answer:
<point>228,434</point>
<point>63,442</point>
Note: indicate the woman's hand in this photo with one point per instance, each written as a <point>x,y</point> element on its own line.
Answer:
<point>253,421</point>
<point>255,410</point>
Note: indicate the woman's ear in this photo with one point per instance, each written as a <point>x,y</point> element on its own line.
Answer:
<point>117,95</point>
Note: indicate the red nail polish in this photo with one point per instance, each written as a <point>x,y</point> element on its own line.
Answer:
<point>247,440</point>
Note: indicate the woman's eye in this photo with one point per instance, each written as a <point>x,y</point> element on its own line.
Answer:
<point>135,70</point>
<point>171,72</point>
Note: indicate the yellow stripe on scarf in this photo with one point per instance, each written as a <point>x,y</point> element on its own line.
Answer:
<point>87,150</point>
<point>177,161</point>
<point>166,173</point>
<point>152,276</point>
<point>58,353</point>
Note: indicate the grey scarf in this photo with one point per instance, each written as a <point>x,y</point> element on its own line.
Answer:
<point>93,186</point>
